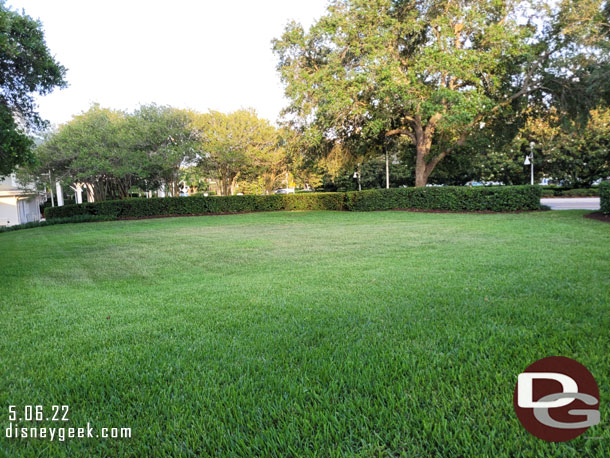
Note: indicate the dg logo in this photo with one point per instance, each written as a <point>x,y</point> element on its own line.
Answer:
<point>556,399</point>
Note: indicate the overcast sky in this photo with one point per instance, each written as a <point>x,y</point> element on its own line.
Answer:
<point>198,54</point>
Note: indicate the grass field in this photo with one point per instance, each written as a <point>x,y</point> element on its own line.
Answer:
<point>298,334</point>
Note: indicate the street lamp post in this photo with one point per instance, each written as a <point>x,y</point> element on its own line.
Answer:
<point>357,175</point>
<point>529,160</point>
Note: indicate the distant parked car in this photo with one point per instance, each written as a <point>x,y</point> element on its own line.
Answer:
<point>484,183</point>
<point>284,191</point>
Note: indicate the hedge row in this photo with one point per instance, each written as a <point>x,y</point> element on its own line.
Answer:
<point>52,222</point>
<point>604,197</point>
<point>497,199</point>
<point>134,208</point>
<point>576,192</point>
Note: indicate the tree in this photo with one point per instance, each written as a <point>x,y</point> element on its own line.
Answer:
<point>431,71</point>
<point>110,152</point>
<point>567,151</point>
<point>26,68</point>
<point>89,150</point>
<point>166,139</point>
<point>236,145</point>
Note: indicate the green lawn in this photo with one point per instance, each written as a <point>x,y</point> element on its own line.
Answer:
<point>297,334</point>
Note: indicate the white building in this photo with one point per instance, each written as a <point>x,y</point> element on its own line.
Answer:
<point>18,204</point>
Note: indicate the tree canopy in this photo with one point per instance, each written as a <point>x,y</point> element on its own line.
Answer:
<point>433,72</point>
<point>26,68</point>
<point>238,145</point>
<point>111,151</point>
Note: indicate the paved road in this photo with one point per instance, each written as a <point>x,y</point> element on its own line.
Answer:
<point>572,203</point>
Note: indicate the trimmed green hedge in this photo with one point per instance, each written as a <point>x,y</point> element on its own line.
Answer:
<point>501,198</point>
<point>52,222</point>
<point>575,192</point>
<point>196,205</point>
<point>604,197</point>
<point>479,198</point>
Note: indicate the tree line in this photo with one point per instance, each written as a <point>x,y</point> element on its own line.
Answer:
<point>113,153</point>
<point>381,93</point>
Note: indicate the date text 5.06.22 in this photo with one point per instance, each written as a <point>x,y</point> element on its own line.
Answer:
<point>38,413</point>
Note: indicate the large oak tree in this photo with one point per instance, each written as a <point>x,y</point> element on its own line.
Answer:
<point>432,71</point>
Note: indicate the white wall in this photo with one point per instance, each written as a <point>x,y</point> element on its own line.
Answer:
<point>8,211</point>
<point>18,210</point>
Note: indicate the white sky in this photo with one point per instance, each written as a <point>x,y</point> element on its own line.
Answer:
<point>200,54</point>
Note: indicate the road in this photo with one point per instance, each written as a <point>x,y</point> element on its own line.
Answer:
<point>572,203</point>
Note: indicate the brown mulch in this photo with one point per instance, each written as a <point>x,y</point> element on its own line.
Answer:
<point>599,216</point>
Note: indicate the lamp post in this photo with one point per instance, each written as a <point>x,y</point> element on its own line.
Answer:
<point>529,160</point>
<point>357,175</point>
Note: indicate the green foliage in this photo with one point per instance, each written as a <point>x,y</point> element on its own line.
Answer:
<point>568,151</point>
<point>26,68</point>
<point>372,176</point>
<point>111,151</point>
<point>476,198</point>
<point>604,195</point>
<point>428,71</point>
<point>314,201</point>
<point>15,145</point>
<point>239,145</point>
<point>497,199</point>
<point>195,205</point>
<point>557,191</point>
<point>75,218</point>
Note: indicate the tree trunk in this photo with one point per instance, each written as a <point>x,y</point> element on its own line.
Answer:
<point>421,178</point>
<point>233,187</point>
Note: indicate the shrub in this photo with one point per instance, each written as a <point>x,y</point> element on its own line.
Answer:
<point>67,220</point>
<point>561,191</point>
<point>500,198</point>
<point>497,199</point>
<point>134,208</point>
<point>314,201</point>
<point>604,194</point>
<point>590,192</point>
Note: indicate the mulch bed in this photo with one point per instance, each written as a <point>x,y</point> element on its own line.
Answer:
<point>599,216</point>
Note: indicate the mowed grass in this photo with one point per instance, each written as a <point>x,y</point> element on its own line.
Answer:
<point>301,334</point>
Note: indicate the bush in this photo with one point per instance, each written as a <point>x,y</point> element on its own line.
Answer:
<point>314,201</point>
<point>496,198</point>
<point>560,191</point>
<point>590,192</point>
<point>67,220</point>
<point>604,194</point>
<point>134,208</point>
<point>501,198</point>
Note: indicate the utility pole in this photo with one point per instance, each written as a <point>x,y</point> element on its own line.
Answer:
<point>529,160</point>
<point>387,168</point>
<point>532,144</point>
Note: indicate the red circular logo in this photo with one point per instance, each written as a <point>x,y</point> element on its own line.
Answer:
<point>556,399</point>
